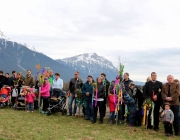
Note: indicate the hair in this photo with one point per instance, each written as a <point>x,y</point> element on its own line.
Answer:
<point>18,73</point>
<point>100,78</point>
<point>77,72</point>
<point>7,73</point>
<point>13,71</point>
<point>89,76</point>
<point>131,84</point>
<point>1,71</point>
<point>153,73</point>
<point>103,74</point>
<point>28,70</point>
<point>126,73</point>
<point>167,103</point>
<point>57,74</point>
<point>148,79</point>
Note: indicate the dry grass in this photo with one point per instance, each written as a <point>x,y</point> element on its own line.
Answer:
<point>19,125</point>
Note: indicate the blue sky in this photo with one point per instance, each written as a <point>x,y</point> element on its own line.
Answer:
<point>145,34</point>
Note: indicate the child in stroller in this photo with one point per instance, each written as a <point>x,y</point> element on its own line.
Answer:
<point>57,103</point>
<point>4,95</point>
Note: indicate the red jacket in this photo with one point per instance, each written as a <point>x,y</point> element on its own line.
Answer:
<point>112,102</point>
<point>30,97</point>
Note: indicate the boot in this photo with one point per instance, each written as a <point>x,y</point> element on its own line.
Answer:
<point>113,121</point>
<point>110,121</point>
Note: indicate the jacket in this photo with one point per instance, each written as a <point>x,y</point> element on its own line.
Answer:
<point>30,98</point>
<point>1,78</point>
<point>156,87</point>
<point>45,90</point>
<point>6,81</point>
<point>112,104</point>
<point>106,83</point>
<point>29,81</point>
<point>126,84</point>
<point>75,84</point>
<point>130,102</point>
<point>168,116</point>
<point>174,93</point>
<point>57,83</point>
<point>5,91</point>
<point>87,87</point>
<point>100,91</point>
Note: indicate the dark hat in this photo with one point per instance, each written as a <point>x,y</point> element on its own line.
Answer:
<point>46,78</point>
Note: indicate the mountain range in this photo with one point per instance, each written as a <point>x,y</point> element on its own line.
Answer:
<point>15,56</point>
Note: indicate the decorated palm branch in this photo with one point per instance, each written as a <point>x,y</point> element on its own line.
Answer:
<point>95,89</point>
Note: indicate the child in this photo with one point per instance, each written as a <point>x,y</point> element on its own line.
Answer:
<point>79,102</point>
<point>30,99</point>
<point>5,92</point>
<point>112,105</point>
<point>129,101</point>
<point>168,118</point>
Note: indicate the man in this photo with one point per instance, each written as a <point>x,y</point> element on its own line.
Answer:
<point>13,78</point>
<point>29,80</point>
<point>6,80</point>
<point>1,78</point>
<point>57,86</point>
<point>126,83</point>
<point>87,91</point>
<point>170,93</point>
<point>75,83</point>
<point>153,90</point>
<point>106,83</point>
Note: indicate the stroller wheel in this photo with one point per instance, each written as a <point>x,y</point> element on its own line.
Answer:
<point>64,112</point>
<point>49,113</point>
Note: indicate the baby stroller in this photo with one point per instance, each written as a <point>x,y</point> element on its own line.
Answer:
<point>21,103</point>
<point>57,103</point>
<point>5,96</point>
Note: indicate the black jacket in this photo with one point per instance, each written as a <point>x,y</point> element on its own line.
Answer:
<point>75,84</point>
<point>1,79</point>
<point>101,91</point>
<point>6,81</point>
<point>156,87</point>
<point>126,84</point>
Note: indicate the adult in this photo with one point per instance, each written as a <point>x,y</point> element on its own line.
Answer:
<point>87,91</point>
<point>106,83</point>
<point>138,96</point>
<point>99,102</point>
<point>126,83</point>
<point>45,94</point>
<point>29,80</point>
<point>75,83</point>
<point>170,93</point>
<point>13,78</point>
<point>153,90</point>
<point>1,78</point>
<point>6,80</point>
<point>57,86</point>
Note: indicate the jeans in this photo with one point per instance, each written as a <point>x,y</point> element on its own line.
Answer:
<point>30,106</point>
<point>112,115</point>
<point>175,110</point>
<point>88,108</point>
<point>100,105</point>
<point>179,116</point>
<point>132,118</point>
<point>168,128</point>
<point>70,102</point>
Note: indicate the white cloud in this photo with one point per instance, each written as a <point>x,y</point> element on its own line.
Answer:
<point>62,28</point>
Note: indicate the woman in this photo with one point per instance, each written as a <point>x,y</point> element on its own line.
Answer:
<point>57,86</point>
<point>45,94</point>
<point>100,101</point>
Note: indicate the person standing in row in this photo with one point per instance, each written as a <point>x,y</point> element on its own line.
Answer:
<point>170,93</point>
<point>57,86</point>
<point>29,80</point>
<point>75,83</point>
<point>106,83</point>
<point>153,90</point>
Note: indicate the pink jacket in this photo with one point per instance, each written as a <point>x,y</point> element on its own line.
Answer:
<point>45,90</point>
<point>30,98</point>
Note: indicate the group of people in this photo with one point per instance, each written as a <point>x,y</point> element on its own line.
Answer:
<point>95,95</point>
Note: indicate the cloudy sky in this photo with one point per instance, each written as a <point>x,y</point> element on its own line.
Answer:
<point>145,34</point>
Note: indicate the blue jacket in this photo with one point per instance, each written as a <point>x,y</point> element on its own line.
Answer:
<point>87,88</point>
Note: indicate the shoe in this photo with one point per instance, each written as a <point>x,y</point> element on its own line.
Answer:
<point>46,112</point>
<point>42,112</point>
<point>156,129</point>
<point>27,111</point>
<point>149,127</point>
<point>69,114</point>
<point>92,121</point>
<point>100,122</point>
<point>32,111</point>
<point>87,118</point>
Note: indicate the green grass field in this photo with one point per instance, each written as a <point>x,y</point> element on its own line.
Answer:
<point>20,125</point>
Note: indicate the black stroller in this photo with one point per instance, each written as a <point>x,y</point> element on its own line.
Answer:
<point>57,103</point>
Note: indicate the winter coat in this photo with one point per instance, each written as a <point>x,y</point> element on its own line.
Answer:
<point>112,102</point>
<point>106,83</point>
<point>29,81</point>
<point>130,102</point>
<point>87,87</point>
<point>168,116</point>
<point>75,84</point>
<point>174,93</point>
<point>100,91</point>
<point>1,78</point>
<point>6,81</point>
<point>30,98</point>
<point>126,84</point>
<point>45,90</point>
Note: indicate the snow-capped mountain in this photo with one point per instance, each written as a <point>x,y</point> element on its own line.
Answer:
<point>91,63</point>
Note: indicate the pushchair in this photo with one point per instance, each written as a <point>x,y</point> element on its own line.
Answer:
<point>5,96</point>
<point>57,103</point>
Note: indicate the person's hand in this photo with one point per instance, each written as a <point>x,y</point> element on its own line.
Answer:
<point>75,95</point>
<point>87,93</point>
<point>163,113</point>
<point>171,122</point>
<point>168,99</point>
